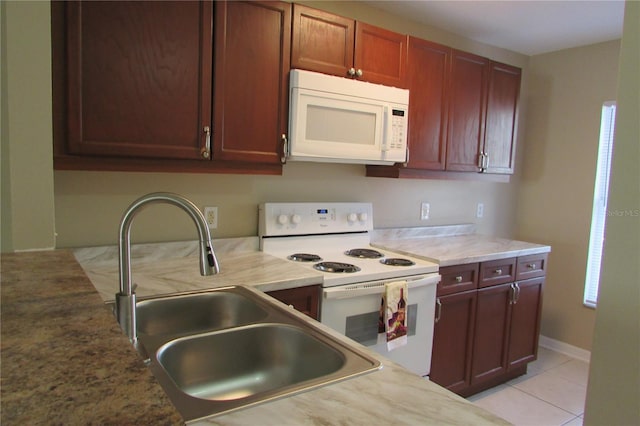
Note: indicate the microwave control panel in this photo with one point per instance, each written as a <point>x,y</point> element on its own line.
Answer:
<point>398,129</point>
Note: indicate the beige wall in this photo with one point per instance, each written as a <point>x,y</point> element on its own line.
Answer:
<point>614,382</point>
<point>27,177</point>
<point>555,195</point>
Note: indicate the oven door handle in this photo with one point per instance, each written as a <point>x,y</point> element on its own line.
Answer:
<point>376,287</point>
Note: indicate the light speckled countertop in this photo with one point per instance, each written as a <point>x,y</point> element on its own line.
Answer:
<point>173,268</point>
<point>454,245</point>
<point>64,361</point>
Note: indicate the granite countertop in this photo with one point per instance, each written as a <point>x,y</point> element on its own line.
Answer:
<point>65,360</point>
<point>455,245</point>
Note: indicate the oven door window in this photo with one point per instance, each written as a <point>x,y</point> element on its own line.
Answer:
<point>363,328</point>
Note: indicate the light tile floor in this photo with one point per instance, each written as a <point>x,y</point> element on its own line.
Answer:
<point>552,393</point>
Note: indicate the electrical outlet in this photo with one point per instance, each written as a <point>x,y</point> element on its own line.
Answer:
<point>424,211</point>
<point>480,210</point>
<point>211,216</point>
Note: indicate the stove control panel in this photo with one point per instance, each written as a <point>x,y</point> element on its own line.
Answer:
<point>275,219</point>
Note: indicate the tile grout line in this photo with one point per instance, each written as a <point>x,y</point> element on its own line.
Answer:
<point>546,402</point>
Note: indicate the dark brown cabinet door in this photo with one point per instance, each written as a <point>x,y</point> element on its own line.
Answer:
<point>322,41</point>
<point>304,299</point>
<point>453,340</point>
<point>427,78</point>
<point>502,113</point>
<point>491,333</point>
<point>332,44</point>
<point>466,111</point>
<point>251,69</point>
<point>138,78</point>
<point>525,322</point>
<point>381,55</point>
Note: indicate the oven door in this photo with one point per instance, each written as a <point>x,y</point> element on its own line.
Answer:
<point>354,310</point>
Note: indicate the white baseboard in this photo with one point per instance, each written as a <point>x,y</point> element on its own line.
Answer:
<point>565,348</point>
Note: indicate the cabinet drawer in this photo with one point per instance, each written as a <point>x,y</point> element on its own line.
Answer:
<point>458,278</point>
<point>531,266</point>
<point>496,272</point>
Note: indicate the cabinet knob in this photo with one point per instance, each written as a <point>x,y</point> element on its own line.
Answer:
<point>358,73</point>
<point>531,266</point>
<point>498,271</point>
<point>351,72</point>
<point>459,279</point>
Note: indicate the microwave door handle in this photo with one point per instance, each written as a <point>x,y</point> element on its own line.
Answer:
<point>385,129</point>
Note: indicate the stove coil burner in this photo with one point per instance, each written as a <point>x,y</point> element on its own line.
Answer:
<point>337,267</point>
<point>364,253</point>
<point>304,257</point>
<point>397,261</point>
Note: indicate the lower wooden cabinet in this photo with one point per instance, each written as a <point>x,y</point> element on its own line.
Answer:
<point>453,340</point>
<point>525,323</point>
<point>491,333</point>
<point>486,335</point>
<point>304,299</point>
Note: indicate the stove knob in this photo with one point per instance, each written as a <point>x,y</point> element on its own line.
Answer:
<point>352,217</point>
<point>296,219</point>
<point>283,219</point>
<point>363,217</point>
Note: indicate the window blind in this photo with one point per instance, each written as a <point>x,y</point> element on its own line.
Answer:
<point>600,196</point>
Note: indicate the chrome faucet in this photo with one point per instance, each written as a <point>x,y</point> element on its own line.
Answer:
<point>126,298</point>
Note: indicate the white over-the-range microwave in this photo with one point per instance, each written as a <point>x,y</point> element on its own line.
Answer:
<point>335,119</point>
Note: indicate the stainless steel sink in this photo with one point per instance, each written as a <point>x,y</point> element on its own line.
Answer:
<point>234,347</point>
<point>199,312</point>
<point>252,360</point>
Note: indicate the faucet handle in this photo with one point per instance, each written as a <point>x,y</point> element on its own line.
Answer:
<point>208,260</point>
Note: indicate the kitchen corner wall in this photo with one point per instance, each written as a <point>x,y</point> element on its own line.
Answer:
<point>27,208</point>
<point>555,193</point>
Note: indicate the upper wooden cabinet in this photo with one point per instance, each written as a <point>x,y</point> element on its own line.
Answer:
<point>462,113</point>
<point>322,41</point>
<point>138,78</point>
<point>502,116</point>
<point>427,78</point>
<point>251,84</point>
<point>332,44</point>
<point>134,85</point>
<point>468,81</point>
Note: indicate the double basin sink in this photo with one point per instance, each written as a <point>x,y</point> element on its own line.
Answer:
<point>233,347</point>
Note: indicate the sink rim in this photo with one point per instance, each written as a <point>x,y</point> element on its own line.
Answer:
<point>192,408</point>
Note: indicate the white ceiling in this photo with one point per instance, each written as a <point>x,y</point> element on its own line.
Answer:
<point>529,27</point>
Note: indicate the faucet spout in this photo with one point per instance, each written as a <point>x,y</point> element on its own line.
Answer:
<point>126,298</point>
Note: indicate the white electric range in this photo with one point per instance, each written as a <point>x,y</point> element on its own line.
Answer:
<point>333,238</point>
